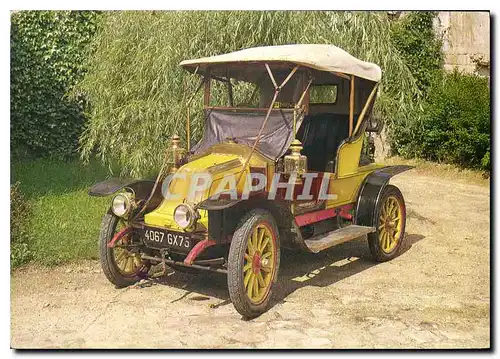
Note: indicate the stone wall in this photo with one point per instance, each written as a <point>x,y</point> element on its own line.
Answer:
<point>466,40</point>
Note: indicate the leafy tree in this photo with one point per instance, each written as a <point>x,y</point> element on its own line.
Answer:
<point>138,92</point>
<point>415,38</point>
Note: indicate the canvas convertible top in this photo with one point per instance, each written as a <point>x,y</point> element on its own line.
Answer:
<point>320,57</point>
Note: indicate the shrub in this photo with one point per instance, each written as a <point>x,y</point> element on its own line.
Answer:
<point>20,237</point>
<point>485,161</point>
<point>47,55</point>
<point>456,122</point>
<point>453,125</point>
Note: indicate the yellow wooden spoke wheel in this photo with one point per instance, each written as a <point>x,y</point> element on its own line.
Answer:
<point>389,222</point>
<point>253,263</point>
<point>127,262</point>
<point>259,263</point>
<point>120,264</point>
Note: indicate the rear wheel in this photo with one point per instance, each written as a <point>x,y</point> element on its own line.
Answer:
<point>120,264</point>
<point>253,263</point>
<point>390,222</point>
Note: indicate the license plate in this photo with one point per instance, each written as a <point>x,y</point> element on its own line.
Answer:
<point>166,239</point>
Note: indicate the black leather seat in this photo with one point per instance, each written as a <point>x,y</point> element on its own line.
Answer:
<point>321,135</point>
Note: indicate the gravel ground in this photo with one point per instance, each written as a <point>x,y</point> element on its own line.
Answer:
<point>436,294</point>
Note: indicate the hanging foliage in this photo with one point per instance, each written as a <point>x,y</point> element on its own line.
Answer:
<point>138,92</point>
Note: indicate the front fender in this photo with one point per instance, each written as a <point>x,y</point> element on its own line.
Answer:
<point>370,192</point>
<point>217,204</point>
<point>142,188</point>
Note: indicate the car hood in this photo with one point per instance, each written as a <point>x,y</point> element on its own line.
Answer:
<point>217,162</point>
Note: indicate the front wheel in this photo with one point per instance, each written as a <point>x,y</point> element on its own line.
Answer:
<point>253,263</point>
<point>121,265</point>
<point>390,222</point>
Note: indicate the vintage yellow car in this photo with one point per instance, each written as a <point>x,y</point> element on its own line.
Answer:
<point>279,168</point>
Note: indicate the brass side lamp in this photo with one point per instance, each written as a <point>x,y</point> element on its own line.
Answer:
<point>177,153</point>
<point>295,162</point>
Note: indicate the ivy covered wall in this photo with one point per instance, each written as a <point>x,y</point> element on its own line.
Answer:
<point>48,52</point>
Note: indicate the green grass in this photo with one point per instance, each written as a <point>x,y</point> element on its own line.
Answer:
<point>65,220</point>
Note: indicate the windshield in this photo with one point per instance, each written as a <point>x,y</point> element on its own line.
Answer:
<point>235,93</point>
<point>243,126</point>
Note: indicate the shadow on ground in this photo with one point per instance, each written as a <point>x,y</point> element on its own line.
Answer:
<point>328,267</point>
<point>297,270</point>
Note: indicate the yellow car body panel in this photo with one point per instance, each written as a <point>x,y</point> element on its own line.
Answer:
<point>220,160</point>
<point>346,182</point>
<point>348,157</point>
<point>347,187</point>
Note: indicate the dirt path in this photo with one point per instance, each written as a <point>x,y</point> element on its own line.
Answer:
<point>435,295</point>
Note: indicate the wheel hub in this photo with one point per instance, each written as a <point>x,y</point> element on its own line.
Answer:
<point>389,225</point>
<point>256,262</point>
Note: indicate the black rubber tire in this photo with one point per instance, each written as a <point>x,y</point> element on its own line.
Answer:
<point>237,250</point>
<point>109,267</point>
<point>373,238</point>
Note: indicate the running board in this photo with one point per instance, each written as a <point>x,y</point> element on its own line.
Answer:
<point>330,239</point>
